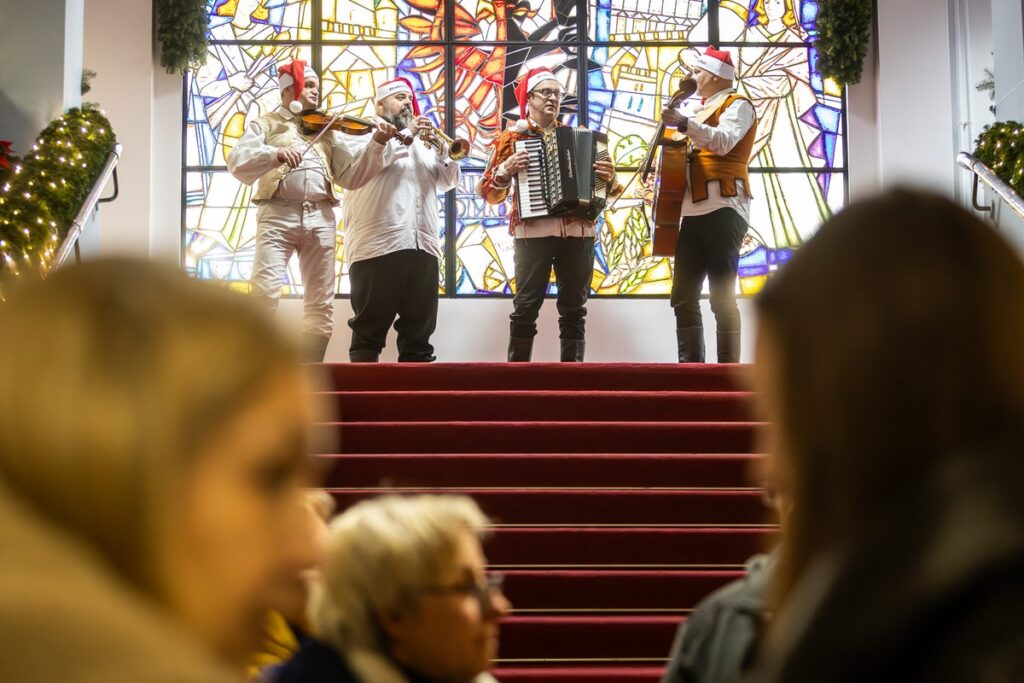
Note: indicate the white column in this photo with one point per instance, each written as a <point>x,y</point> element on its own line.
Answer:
<point>143,104</point>
<point>40,65</point>
<point>1008,48</point>
<point>917,129</point>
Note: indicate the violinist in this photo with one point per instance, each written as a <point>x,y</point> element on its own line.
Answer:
<point>715,207</point>
<point>392,242</point>
<point>296,197</point>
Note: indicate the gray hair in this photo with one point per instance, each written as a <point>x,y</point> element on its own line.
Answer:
<point>380,554</point>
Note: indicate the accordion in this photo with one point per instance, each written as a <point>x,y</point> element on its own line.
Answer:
<point>559,180</point>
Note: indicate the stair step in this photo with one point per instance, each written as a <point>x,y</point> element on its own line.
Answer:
<point>587,637</point>
<point>637,507</point>
<point>534,376</point>
<point>538,437</point>
<point>516,405</point>
<point>532,469</point>
<point>591,674</point>
<point>625,546</point>
<point>631,590</point>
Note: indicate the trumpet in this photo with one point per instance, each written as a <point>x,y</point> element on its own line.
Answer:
<point>435,138</point>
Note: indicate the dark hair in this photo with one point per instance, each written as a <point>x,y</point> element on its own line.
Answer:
<point>898,333</point>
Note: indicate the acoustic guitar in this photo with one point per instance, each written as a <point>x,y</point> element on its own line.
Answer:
<point>670,178</point>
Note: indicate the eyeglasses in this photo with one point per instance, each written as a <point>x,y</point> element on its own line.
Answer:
<point>484,591</point>
<point>548,93</point>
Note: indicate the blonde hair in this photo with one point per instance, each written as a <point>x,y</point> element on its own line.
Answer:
<point>380,555</point>
<point>113,374</point>
<point>788,19</point>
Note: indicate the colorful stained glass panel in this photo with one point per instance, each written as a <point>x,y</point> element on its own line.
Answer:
<point>237,84</point>
<point>648,20</point>
<point>537,22</point>
<point>766,21</point>
<point>485,99</point>
<point>259,20</point>
<point>373,20</point>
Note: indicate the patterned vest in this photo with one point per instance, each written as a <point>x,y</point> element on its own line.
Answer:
<point>281,132</point>
<point>706,166</point>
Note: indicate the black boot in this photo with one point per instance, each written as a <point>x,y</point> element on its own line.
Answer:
<point>728,346</point>
<point>314,347</point>
<point>572,350</point>
<point>363,356</point>
<point>519,350</point>
<point>691,344</point>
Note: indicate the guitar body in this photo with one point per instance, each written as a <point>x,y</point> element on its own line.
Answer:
<point>670,182</point>
<point>669,190</point>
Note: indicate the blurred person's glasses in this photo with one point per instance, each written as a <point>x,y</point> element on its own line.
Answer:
<point>548,93</point>
<point>484,591</point>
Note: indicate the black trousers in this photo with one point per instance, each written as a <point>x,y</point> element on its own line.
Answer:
<point>573,261</point>
<point>404,284</point>
<point>708,247</point>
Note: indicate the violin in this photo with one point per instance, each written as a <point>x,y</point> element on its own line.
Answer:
<point>316,122</point>
<point>671,178</point>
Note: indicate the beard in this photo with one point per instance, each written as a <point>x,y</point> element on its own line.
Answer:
<point>400,119</point>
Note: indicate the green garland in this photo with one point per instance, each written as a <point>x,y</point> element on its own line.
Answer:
<point>181,27</point>
<point>1001,148</point>
<point>844,28</point>
<point>42,196</point>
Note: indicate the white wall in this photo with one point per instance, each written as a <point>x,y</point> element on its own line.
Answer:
<point>144,107</point>
<point>619,330</point>
<point>1008,41</point>
<point>40,66</point>
<point>916,90</point>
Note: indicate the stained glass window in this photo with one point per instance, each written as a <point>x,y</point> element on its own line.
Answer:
<point>619,64</point>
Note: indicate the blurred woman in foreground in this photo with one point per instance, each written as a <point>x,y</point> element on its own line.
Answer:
<point>890,361</point>
<point>152,455</point>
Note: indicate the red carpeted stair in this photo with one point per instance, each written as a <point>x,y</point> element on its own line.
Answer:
<point>618,492</point>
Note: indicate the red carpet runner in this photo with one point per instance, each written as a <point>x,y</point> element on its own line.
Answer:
<point>618,492</point>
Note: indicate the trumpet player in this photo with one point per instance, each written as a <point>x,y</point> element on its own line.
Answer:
<point>392,243</point>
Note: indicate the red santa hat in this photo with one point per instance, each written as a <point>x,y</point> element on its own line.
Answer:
<point>718,62</point>
<point>528,82</point>
<point>294,76</point>
<point>398,85</point>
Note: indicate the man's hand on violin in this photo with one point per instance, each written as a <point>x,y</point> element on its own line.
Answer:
<point>604,170</point>
<point>421,124</point>
<point>290,155</point>
<point>385,131</point>
<point>673,119</point>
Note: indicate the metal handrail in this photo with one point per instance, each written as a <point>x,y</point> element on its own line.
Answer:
<point>70,242</point>
<point>988,176</point>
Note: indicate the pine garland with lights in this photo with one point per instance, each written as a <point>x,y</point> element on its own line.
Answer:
<point>41,197</point>
<point>844,29</point>
<point>1001,147</point>
<point>181,28</point>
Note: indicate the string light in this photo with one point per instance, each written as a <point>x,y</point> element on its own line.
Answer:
<point>41,195</point>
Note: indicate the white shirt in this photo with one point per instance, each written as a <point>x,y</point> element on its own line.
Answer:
<point>398,209</point>
<point>252,157</point>
<point>733,124</point>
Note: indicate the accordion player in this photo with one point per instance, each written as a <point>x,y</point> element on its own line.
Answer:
<point>560,179</point>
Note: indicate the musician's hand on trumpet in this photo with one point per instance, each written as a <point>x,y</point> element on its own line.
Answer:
<point>421,125</point>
